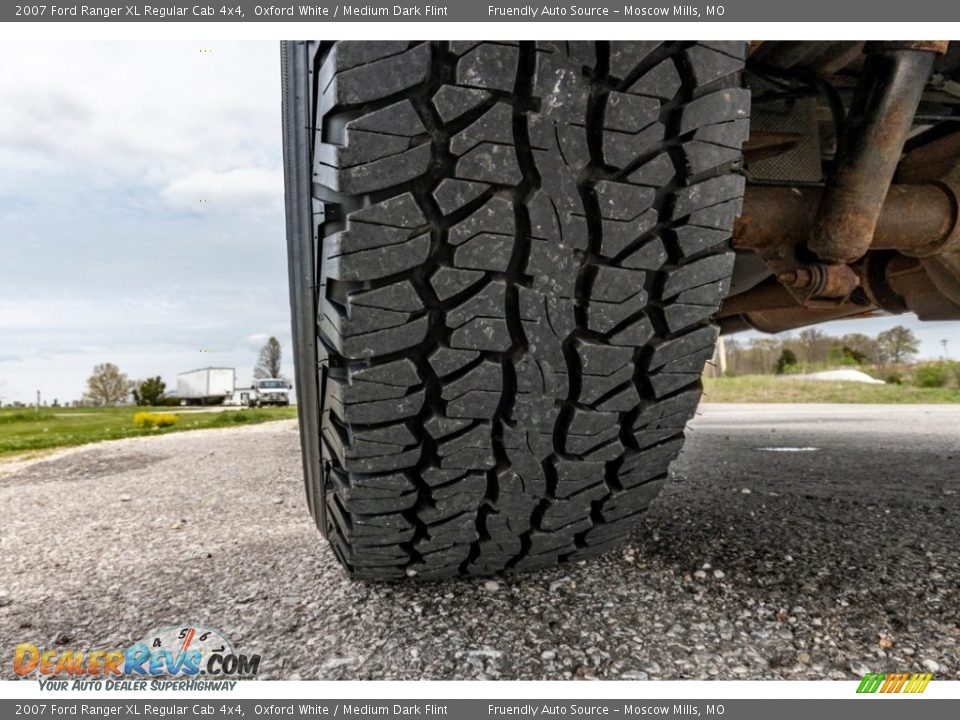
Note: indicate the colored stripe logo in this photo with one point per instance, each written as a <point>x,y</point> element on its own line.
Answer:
<point>894,683</point>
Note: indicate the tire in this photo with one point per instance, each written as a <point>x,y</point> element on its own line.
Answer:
<point>521,249</point>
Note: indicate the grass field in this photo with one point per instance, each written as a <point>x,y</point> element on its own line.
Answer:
<point>774,389</point>
<point>26,430</point>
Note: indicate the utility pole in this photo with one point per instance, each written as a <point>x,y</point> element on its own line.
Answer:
<point>944,343</point>
<point>38,401</point>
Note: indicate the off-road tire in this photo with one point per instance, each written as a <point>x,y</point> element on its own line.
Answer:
<point>520,248</point>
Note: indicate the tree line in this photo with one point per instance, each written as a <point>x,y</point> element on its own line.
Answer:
<point>813,349</point>
<point>107,385</point>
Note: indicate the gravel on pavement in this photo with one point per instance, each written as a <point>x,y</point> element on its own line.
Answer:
<point>794,542</point>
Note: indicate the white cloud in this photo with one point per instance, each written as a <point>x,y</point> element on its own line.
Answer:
<point>106,151</point>
<point>241,188</point>
<point>153,113</point>
<point>257,340</point>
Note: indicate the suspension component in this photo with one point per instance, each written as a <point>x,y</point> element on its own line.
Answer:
<point>881,115</point>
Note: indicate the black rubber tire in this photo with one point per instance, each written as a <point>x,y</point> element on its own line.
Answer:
<point>522,245</point>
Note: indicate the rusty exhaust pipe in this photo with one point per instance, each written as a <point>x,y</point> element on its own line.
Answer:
<point>881,115</point>
<point>916,220</point>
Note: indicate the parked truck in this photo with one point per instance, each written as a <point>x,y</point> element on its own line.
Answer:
<point>206,386</point>
<point>270,391</point>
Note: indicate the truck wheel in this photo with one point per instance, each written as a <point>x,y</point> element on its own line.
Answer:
<point>521,249</point>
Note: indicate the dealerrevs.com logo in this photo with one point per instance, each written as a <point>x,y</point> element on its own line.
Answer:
<point>179,653</point>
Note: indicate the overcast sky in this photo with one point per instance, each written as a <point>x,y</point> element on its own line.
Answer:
<point>107,253</point>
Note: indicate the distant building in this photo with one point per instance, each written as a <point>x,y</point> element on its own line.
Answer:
<point>242,396</point>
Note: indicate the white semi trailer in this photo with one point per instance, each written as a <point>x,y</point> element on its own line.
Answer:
<point>206,386</point>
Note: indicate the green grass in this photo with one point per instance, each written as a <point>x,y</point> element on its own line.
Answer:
<point>774,389</point>
<point>25,430</point>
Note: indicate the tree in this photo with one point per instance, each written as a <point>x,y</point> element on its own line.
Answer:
<point>815,345</point>
<point>898,343</point>
<point>786,362</point>
<point>763,350</point>
<point>268,364</point>
<point>107,385</point>
<point>149,391</point>
<point>863,347</point>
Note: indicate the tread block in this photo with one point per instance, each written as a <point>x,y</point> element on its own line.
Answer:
<point>662,81</point>
<point>622,201</point>
<point>588,429</point>
<point>552,259</point>
<point>494,126</point>
<point>473,485</point>
<point>618,236</point>
<point>679,315</point>
<point>440,426</point>
<point>665,418</point>
<point>629,113</point>
<point>679,347</point>
<point>348,54</point>
<point>635,334</point>
<point>622,503</point>
<point>709,62</point>
<point>706,270</point>
<point>371,457</point>
<point>620,149</point>
<point>350,76</point>
<point>355,344</point>
<point>615,285</point>
<point>656,172</point>
<point>452,101</point>
<point>547,321</point>
<point>572,515</point>
<point>693,240</point>
<point>604,369</point>
<point>726,134</point>
<point>476,393</point>
<point>653,461</point>
<point>478,323</point>
<point>717,107</point>
<point>624,400</point>
<point>485,239</point>
<point>560,86</point>
<point>452,194</point>
<point>605,316</point>
<point>374,494</point>
<point>651,255</point>
<point>708,193</point>
<point>489,66</point>
<point>381,240</point>
<point>664,383</point>
<point>495,216</point>
<point>377,134</point>
<point>625,56</point>
<point>470,450</point>
<point>372,530</point>
<point>594,388</point>
<point>447,360</point>
<point>490,163</point>
<point>364,395</point>
<point>447,281</point>
<point>575,477</point>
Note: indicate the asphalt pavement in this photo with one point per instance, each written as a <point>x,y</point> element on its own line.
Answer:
<point>795,541</point>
